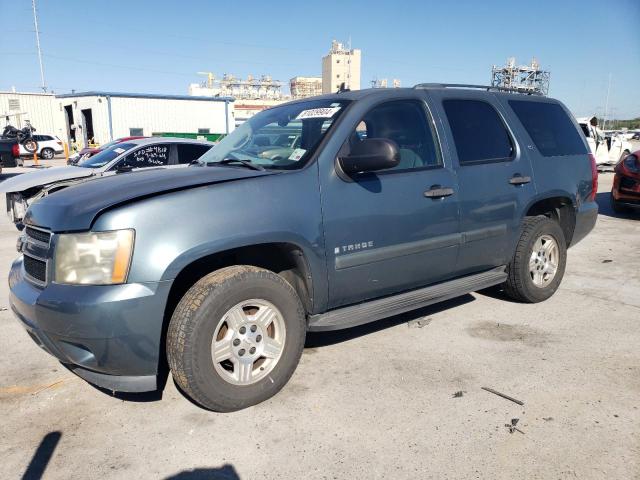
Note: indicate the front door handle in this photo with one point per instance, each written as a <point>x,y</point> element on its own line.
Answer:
<point>436,191</point>
<point>518,179</point>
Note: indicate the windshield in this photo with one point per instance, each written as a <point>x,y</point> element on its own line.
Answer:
<point>282,137</point>
<point>105,156</point>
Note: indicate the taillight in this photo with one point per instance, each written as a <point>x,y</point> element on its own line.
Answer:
<point>15,150</point>
<point>594,178</point>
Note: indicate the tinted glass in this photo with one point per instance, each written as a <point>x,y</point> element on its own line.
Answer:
<point>404,122</point>
<point>156,155</point>
<point>478,131</point>
<point>105,156</point>
<point>188,152</point>
<point>549,127</point>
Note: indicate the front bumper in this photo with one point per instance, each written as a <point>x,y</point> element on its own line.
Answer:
<point>108,335</point>
<point>586,217</point>
<point>626,191</point>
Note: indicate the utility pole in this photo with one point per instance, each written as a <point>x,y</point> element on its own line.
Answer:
<point>43,85</point>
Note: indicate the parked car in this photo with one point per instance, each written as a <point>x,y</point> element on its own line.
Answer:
<point>223,267</point>
<point>625,192</point>
<point>48,147</point>
<point>25,189</point>
<point>91,151</point>
<point>607,149</point>
<point>9,153</point>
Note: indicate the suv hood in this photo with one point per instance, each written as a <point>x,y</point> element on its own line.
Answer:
<point>45,176</point>
<point>75,208</point>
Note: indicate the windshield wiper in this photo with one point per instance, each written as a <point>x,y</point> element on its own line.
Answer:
<point>246,163</point>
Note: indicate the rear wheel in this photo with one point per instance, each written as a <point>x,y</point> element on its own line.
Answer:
<point>538,265</point>
<point>30,145</point>
<point>236,338</point>
<point>47,153</point>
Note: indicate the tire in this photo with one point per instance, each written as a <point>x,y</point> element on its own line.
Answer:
<point>616,207</point>
<point>47,153</point>
<point>521,284</point>
<point>197,325</point>
<point>30,145</point>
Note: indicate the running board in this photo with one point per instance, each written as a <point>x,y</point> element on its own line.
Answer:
<point>373,310</point>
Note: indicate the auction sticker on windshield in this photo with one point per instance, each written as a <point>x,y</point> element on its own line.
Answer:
<point>297,154</point>
<point>327,112</point>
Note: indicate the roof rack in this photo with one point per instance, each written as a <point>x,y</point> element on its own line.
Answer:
<point>477,87</point>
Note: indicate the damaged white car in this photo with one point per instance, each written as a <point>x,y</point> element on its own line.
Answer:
<point>608,149</point>
<point>132,155</point>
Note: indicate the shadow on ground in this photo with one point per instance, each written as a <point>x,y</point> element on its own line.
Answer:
<point>604,207</point>
<point>226,472</point>
<point>42,456</point>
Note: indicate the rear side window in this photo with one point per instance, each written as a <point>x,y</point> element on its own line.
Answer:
<point>478,132</point>
<point>549,127</point>
<point>188,152</point>
<point>155,155</point>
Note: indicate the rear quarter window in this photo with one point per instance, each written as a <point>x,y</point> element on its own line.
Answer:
<point>550,128</point>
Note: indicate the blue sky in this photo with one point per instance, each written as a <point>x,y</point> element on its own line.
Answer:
<point>157,47</point>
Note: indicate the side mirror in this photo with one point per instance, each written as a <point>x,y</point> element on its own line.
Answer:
<point>371,154</point>
<point>124,167</point>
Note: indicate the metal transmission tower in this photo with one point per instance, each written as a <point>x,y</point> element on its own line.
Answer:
<point>525,78</point>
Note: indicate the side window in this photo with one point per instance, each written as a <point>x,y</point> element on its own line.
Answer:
<point>405,122</point>
<point>478,132</point>
<point>150,156</point>
<point>549,127</point>
<point>188,152</point>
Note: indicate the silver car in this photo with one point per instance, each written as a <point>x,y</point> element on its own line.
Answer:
<point>132,155</point>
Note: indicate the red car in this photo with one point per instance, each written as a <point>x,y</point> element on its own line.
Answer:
<point>625,193</point>
<point>91,151</point>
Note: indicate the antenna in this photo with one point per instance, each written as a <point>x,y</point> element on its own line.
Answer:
<point>606,104</point>
<point>35,23</point>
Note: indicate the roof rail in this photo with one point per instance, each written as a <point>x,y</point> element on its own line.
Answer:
<point>477,87</point>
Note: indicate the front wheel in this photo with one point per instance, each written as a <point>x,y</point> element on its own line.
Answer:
<point>538,265</point>
<point>236,337</point>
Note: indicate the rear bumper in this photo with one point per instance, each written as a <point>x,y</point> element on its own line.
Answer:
<point>586,217</point>
<point>108,335</point>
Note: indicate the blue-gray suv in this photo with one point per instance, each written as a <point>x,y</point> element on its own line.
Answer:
<point>387,201</point>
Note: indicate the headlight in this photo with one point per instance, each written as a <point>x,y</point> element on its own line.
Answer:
<point>93,258</point>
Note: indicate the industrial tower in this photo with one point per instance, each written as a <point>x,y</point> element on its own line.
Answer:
<point>525,78</point>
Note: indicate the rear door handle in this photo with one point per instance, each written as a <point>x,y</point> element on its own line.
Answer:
<point>436,191</point>
<point>519,180</point>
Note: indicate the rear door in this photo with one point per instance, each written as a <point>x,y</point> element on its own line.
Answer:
<point>494,177</point>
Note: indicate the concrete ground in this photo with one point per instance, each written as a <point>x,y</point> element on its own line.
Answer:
<point>389,400</point>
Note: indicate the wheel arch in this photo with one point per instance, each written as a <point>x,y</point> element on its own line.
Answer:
<point>559,206</point>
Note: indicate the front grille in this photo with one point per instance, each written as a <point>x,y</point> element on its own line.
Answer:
<point>36,269</point>
<point>38,235</point>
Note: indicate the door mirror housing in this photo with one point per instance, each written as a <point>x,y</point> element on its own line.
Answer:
<point>370,155</point>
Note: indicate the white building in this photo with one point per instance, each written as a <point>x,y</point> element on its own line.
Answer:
<point>103,116</point>
<point>339,66</point>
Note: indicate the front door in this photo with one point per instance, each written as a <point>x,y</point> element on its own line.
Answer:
<point>384,231</point>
